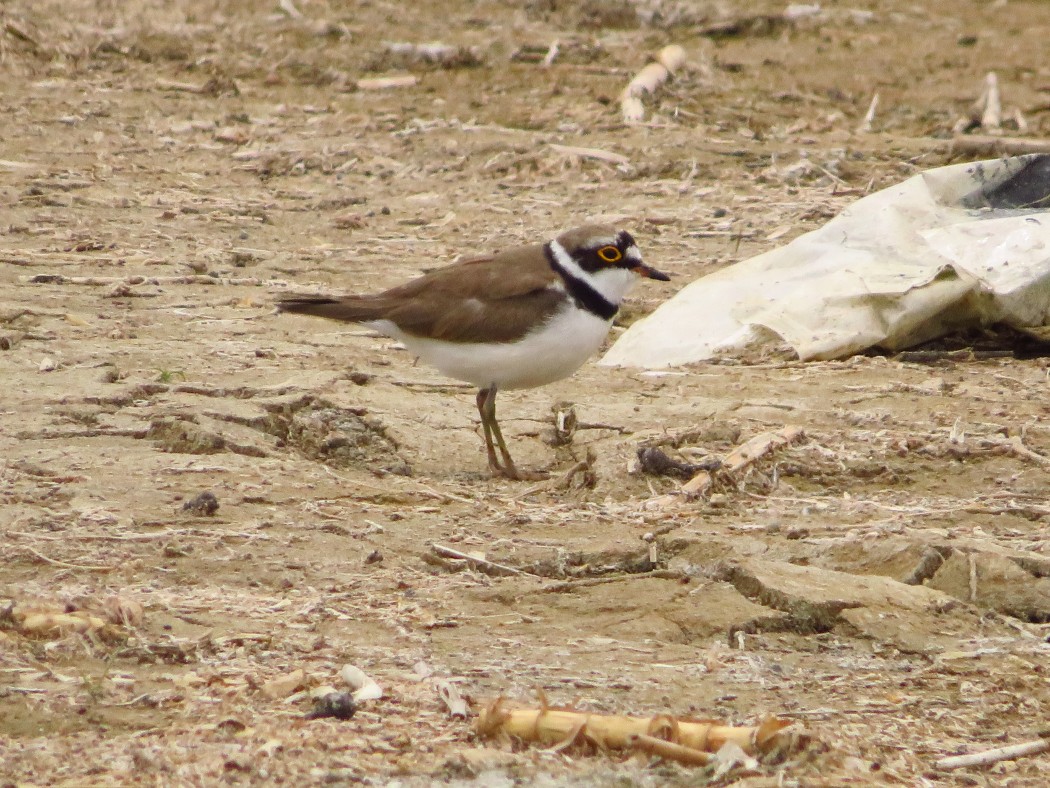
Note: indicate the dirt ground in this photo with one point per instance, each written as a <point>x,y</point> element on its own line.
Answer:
<point>168,168</point>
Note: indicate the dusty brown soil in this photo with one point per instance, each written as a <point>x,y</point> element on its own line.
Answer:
<point>170,167</point>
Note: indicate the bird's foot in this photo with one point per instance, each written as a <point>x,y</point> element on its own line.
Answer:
<point>511,472</point>
<point>530,476</point>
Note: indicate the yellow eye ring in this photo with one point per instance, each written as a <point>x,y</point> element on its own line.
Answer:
<point>610,254</point>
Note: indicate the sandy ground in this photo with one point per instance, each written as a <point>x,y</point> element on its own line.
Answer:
<point>168,168</point>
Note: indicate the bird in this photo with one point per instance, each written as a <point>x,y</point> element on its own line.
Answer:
<point>519,318</point>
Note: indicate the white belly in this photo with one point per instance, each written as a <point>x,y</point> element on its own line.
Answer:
<point>548,354</point>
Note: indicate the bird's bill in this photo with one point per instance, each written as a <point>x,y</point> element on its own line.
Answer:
<point>650,273</point>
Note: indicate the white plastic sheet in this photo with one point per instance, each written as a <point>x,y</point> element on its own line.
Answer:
<point>954,247</point>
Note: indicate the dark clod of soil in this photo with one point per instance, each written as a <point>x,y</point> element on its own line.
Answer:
<point>657,463</point>
<point>204,505</point>
<point>335,704</point>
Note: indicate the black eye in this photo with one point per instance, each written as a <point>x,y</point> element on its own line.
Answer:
<point>610,254</point>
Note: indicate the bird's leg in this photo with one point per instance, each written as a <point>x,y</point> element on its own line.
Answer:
<point>487,408</point>
<point>509,469</point>
<point>487,413</point>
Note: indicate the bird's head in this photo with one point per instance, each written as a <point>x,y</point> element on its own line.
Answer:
<point>605,256</point>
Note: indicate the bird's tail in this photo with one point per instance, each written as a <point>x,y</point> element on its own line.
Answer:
<point>352,309</point>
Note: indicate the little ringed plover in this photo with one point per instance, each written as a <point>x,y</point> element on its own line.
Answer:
<point>523,317</point>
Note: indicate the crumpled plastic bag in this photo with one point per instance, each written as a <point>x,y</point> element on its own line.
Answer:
<point>954,247</point>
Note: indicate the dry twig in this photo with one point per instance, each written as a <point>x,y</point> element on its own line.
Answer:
<point>591,153</point>
<point>385,83</point>
<point>987,144</point>
<point>289,8</point>
<point>67,565</point>
<point>744,455</point>
<point>869,116</point>
<point>477,562</point>
<point>668,61</point>
<point>992,117</point>
<point>552,53</point>
<point>449,694</point>
<point>1016,446</point>
<point>988,757</point>
<point>973,576</point>
<point>129,281</point>
<point>738,459</point>
<point>586,465</point>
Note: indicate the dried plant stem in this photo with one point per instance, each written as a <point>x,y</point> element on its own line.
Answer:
<point>989,757</point>
<point>1016,445</point>
<point>552,53</point>
<point>744,455</point>
<point>590,153</point>
<point>386,83</point>
<point>988,144</point>
<point>104,281</point>
<point>869,116</point>
<point>973,577</point>
<point>564,727</point>
<point>669,750</point>
<point>482,564</point>
<point>289,8</point>
<point>741,457</point>
<point>992,118</point>
<point>454,702</point>
<point>586,464</point>
<point>66,565</point>
<point>648,80</point>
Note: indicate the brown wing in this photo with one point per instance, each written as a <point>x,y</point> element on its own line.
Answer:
<point>497,298</point>
<point>503,320</point>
